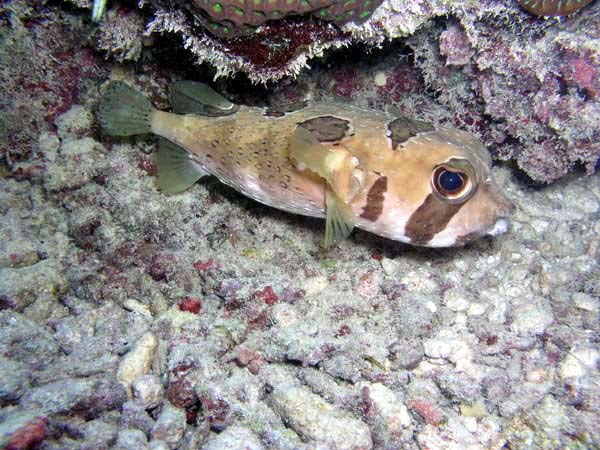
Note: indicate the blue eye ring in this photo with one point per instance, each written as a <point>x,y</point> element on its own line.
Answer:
<point>451,184</point>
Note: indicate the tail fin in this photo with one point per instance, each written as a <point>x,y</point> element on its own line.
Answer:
<point>124,111</point>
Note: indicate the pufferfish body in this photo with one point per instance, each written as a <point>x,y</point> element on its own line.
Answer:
<point>392,176</point>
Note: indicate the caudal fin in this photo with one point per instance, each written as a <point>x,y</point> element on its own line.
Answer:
<point>124,111</point>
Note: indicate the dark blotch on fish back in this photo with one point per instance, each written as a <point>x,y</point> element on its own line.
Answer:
<point>327,128</point>
<point>429,219</point>
<point>374,207</point>
<point>403,128</point>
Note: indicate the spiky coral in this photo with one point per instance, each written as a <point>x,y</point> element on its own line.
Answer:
<point>275,51</point>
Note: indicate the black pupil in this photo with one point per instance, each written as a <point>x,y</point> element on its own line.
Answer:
<point>450,181</point>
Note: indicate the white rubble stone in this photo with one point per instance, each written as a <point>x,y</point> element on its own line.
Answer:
<point>586,302</point>
<point>579,361</point>
<point>531,319</point>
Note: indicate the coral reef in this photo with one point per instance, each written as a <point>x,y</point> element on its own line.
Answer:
<point>43,71</point>
<point>528,87</point>
<point>276,50</point>
<point>228,18</point>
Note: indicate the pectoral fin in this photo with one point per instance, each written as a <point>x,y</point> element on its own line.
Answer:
<point>336,165</point>
<point>339,219</point>
<point>344,180</point>
<point>176,170</point>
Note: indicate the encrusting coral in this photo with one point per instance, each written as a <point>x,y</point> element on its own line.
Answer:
<point>234,17</point>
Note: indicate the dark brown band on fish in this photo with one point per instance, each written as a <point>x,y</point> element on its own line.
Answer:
<point>374,207</point>
<point>403,128</point>
<point>429,219</point>
<point>327,128</point>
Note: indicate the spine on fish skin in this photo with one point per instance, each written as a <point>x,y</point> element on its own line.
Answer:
<point>124,111</point>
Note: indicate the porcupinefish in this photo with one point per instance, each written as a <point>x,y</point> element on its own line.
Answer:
<point>392,176</point>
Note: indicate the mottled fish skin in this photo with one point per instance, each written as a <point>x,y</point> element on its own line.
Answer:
<point>249,150</point>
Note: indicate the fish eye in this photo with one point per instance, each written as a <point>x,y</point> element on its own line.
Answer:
<point>451,184</point>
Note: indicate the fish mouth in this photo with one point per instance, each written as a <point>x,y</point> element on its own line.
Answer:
<point>504,209</point>
<point>500,227</point>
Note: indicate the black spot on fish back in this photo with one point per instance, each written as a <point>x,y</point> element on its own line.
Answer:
<point>327,128</point>
<point>403,128</point>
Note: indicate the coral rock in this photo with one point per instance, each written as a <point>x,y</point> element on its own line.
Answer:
<point>455,46</point>
<point>235,17</point>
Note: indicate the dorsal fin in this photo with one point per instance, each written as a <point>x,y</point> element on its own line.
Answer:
<point>192,97</point>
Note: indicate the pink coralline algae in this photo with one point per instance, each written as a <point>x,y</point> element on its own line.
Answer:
<point>203,266</point>
<point>182,394</point>
<point>161,267</point>
<point>250,359</point>
<point>367,286</point>
<point>190,304</point>
<point>44,80</point>
<point>267,295</point>
<point>29,436</point>
<point>275,44</point>
<point>343,331</point>
<point>344,82</point>
<point>216,411</point>
<point>530,92</point>
<point>429,412</point>
<point>585,75</point>
<point>455,46</point>
<point>402,80</point>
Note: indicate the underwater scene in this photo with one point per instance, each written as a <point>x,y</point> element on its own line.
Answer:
<point>299,224</point>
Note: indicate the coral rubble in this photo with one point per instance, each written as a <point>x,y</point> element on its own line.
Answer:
<point>130,319</point>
